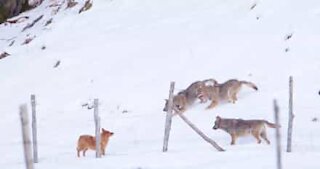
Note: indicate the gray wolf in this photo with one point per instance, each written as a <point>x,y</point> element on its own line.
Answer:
<point>185,98</point>
<point>238,127</point>
<point>226,91</point>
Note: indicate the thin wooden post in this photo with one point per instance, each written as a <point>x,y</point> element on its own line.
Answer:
<point>26,136</point>
<point>207,139</point>
<point>34,129</point>
<point>168,119</point>
<point>278,136</point>
<point>291,115</point>
<point>97,127</point>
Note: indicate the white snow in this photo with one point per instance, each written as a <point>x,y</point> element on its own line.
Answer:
<point>126,52</point>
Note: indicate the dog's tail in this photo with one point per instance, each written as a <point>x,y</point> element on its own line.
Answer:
<point>271,125</point>
<point>249,84</point>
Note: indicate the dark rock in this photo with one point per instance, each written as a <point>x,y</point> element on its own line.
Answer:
<point>11,8</point>
<point>3,55</point>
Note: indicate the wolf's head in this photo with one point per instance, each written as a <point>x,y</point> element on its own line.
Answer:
<point>176,105</point>
<point>217,123</point>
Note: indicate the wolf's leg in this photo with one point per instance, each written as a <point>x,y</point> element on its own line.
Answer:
<point>213,104</point>
<point>264,136</point>
<point>229,97</point>
<point>202,96</point>
<point>203,99</point>
<point>257,136</point>
<point>234,97</point>
<point>233,139</point>
<point>234,93</point>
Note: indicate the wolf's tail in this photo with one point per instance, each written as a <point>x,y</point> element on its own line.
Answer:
<point>250,84</point>
<point>271,125</point>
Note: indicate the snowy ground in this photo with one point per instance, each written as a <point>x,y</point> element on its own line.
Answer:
<point>126,52</point>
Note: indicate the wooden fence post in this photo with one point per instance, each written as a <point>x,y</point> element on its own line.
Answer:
<point>97,127</point>
<point>34,129</point>
<point>207,139</point>
<point>26,136</point>
<point>168,119</point>
<point>291,115</point>
<point>278,136</point>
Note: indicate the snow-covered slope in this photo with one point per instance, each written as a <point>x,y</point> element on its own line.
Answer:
<point>126,52</point>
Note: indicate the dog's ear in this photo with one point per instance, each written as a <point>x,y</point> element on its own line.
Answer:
<point>218,117</point>
<point>103,130</point>
<point>166,100</point>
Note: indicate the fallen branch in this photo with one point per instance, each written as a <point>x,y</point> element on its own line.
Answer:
<point>206,138</point>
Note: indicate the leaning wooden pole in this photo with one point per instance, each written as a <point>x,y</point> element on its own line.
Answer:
<point>198,131</point>
<point>168,119</point>
<point>291,115</point>
<point>97,128</point>
<point>34,129</point>
<point>278,136</point>
<point>26,137</point>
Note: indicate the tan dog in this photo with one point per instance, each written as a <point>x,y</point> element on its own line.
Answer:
<point>225,91</point>
<point>187,97</point>
<point>86,142</point>
<point>238,127</point>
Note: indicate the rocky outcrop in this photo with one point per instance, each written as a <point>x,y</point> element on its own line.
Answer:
<point>10,8</point>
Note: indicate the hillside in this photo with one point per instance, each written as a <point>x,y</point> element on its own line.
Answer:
<point>126,53</point>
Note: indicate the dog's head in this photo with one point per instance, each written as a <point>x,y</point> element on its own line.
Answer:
<point>217,123</point>
<point>106,133</point>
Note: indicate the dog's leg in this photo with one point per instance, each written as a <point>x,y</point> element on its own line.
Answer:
<point>103,151</point>
<point>78,152</point>
<point>84,152</point>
